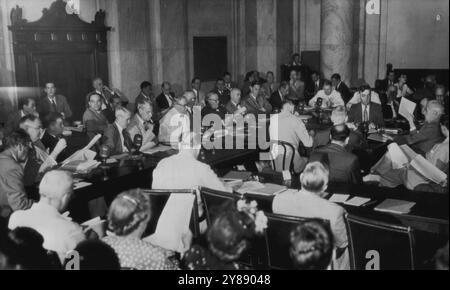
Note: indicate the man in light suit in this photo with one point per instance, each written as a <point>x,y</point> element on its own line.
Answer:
<point>27,106</point>
<point>344,166</point>
<point>255,103</point>
<point>116,136</point>
<point>105,94</point>
<point>141,123</point>
<point>54,103</point>
<point>222,92</point>
<point>310,202</point>
<point>366,111</point>
<point>93,119</point>
<point>12,191</point>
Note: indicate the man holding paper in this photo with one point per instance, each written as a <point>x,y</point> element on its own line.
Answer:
<point>421,141</point>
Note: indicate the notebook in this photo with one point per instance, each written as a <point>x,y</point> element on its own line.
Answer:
<point>395,206</point>
<point>237,175</point>
<point>267,189</point>
<point>357,201</point>
<point>339,198</point>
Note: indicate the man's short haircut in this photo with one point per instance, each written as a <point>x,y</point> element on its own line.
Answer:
<point>311,246</point>
<point>340,133</point>
<point>145,84</point>
<point>143,102</point>
<point>210,94</point>
<point>254,83</point>
<point>165,83</point>
<point>314,177</point>
<point>339,115</point>
<point>314,72</point>
<point>94,94</point>
<point>270,73</point>
<point>336,77</point>
<point>55,184</point>
<point>24,102</point>
<point>97,79</point>
<point>219,80</point>
<point>364,87</point>
<point>327,83</point>
<point>51,119</point>
<point>226,74</point>
<point>295,55</point>
<point>441,87</point>
<point>121,111</point>
<point>194,79</point>
<point>284,85</point>
<point>18,137</point>
<point>28,119</point>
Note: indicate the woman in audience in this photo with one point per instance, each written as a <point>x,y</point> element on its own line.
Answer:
<point>21,249</point>
<point>311,246</point>
<point>227,238</point>
<point>128,217</point>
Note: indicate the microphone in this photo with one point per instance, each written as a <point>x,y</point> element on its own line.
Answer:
<point>137,141</point>
<point>319,102</point>
<point>104,154</point>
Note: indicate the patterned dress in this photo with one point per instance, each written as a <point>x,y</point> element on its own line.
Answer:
<point>199,258</point>
<point>137,254</point>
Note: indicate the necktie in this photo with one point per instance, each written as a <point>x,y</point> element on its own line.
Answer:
<point>365,119</point>
<point>127,139</point>
<point>53,103</point>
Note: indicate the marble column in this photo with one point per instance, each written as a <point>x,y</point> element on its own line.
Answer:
<point>336,38</point>
<point>266,17</point>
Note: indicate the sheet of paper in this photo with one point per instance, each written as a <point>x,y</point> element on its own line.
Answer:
<point>81,184</point>
<point>398,158</point>
<point>428,170</point>
<point>173,222</point>
<point>160,148</point>
<point>339,198</point>
<point>357,201</point>
<point>249,186</point>
<point>407,108</point>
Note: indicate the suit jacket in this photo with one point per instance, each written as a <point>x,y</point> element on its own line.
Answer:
<point>231,108</point>
<point>12,191</point>
<point>344,166</point>
<point>12,123</point>
<point>423,140</point>
<point>224,96</point>
<point>142,97</point>
<point>112,139</point>
<point>162,102</point>
<point>356,140</point>
<point>270,89</point>
<point>276,101</point>
<point>62,106</point>
<point>297,94</point>
<point>254,106</point>
<point>345,92</point>
<point>313,89</point>
<point>221,112</point>
<point>108,112</point>
<point>94,122</point>
<point>355,115</point>
<point>199,97</point>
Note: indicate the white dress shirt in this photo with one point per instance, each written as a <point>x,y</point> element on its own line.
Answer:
<point>173,126</point>
<point>122,139</point>
<point>367,109</point>
<point>374,98</point>
<point>328,101</point>
<point>183,171</point>
<point>59,232</point>
<point>169,100</point>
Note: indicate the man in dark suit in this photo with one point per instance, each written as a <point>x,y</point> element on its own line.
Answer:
<point>116,136</point>
<point>54,127</point>
<point>54,103</point>
<point>12,190</point>
<point>213,107</point>
<point>222,92</point>
<point>27,106</point>
<point>93,119</point>
<point>234,106</point>
<point>255,103</point>
<point>423,140</point>
<point>105,94</point>
<point>229,84</point>
<point>344,166</point>
<point>341,87</point>
<point>277,98</point>
<point>165,100</point>
<point>366,111</point>
<point>146,94</point>
<point>383,85</point>
<point>315,85</point>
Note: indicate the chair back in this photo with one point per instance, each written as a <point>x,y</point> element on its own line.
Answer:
<point>277,236</point>
<point>158,200</point>
<point>379,245</point>
<point>282,156</point>
<point>213,199</point>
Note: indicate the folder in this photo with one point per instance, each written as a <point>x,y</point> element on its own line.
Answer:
<point>395,206</point>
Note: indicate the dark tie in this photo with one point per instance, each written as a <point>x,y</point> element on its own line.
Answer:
<point>53,103</point>
<point>127,139</point>
<point>365,119</point>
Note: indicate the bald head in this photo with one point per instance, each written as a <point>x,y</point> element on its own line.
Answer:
<point>123,117</point>
<point>340,134</point>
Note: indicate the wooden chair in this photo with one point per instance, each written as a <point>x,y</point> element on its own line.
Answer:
<point>285,159</point>
<point>277,238</point>
<point>369,240</point>
<point>213,199</point>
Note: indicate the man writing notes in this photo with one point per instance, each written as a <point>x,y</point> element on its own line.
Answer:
<point>330,97</point>
<point>141,124</point>
<point>287,127</point>
<point>116,136</point>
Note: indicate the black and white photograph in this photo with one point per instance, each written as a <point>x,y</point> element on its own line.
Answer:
<point>223,140</point>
